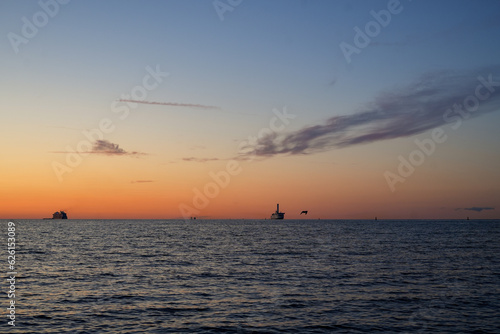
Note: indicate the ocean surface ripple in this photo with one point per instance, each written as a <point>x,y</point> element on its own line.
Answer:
<point>256,276</point>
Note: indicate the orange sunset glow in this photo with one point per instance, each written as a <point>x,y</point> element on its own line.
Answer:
<point>309,116</point>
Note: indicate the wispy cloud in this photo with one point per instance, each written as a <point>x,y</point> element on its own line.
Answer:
<point>193,159</point>
<point>109,148</point>
<point>172,104</point>
<point>106,147</point>
<point>406,111</point>
<point>189,105</point>
<point>477,208</point>
<point>142,181</point>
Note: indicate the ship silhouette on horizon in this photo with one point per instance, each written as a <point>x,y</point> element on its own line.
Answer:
<point>59,215</point>
<point>278,214</point>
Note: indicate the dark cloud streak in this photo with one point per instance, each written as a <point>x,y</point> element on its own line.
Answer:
<point>193,159</point>
<point>172,104</point>
<point>106,147</point>
<point>404,112</point>
<point>478,208</point>
<point>189,105</point>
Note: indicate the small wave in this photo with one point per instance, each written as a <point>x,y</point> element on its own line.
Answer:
<point>42,316</point>
<point>177,309</point>
<point>294,305</point>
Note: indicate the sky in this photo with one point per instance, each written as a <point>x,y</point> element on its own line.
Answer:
<point>222,109</point>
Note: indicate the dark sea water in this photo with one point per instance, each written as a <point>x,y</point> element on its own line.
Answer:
<point>254,276</point>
